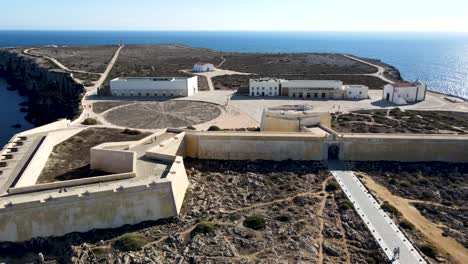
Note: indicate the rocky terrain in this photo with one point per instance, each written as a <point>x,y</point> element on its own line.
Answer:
<point>52,93</point>
<point>397,121</point>
<point>438,190</point>
<point>234,212</point>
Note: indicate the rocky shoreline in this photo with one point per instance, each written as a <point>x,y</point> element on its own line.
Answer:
<point>52,94</point>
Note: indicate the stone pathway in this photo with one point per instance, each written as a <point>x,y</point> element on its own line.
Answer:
<point>384,230</point>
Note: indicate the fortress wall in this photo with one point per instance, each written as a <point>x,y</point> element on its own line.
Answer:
<point>406,148</point>
<point>71,183</point>
<point>253,146</point>
<point>84,212</point>
<point>61,124</point>
<point>35,166</point>
<point>179,182</point>
<point>113,161</point>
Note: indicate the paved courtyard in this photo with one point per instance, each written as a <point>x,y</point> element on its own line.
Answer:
<point>156,115</point>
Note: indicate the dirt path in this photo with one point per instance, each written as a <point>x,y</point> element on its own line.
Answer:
<point>380,70</point>
<point>456,252</point>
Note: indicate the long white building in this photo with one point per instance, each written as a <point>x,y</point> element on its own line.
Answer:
<point>307,89</point>
<point>154,86</point>
<point>404,93</point>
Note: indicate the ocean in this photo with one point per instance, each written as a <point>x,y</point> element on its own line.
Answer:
<point>439,59</point>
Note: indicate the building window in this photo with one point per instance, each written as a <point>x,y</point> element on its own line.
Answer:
<point>349,92</point>
<point>360,92</point>
<point>263,88</point>
<point>270,93</point>
<point>294,94</point>
<point>271,88</point>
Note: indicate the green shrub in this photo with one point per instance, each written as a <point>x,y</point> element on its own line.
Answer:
<point>389,208</point>
<point>132,132</point>
<point>405,183</point>
<point>191,128</point>
<point>89,122</point>
<point>130,242</point>
<point>203,228</point>
<point>405,224</point>
<point>332,186</point>
<point>345,205</point>
<point>370,260</point>
<point>214,128</point>
<point>428,250</point>
<point>255,222</point>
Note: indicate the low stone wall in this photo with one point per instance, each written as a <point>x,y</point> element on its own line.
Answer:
<point>253,146</point>
<point>405,148</point>
<point>112,161</point>
<point>60,124</point>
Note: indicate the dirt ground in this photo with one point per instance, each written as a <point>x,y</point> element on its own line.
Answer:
<point>437,190</point>
<point>303,222</point>
<point>100,107</point>
<point>84,58</point>
<point>70,159</point>
<point>296,63</point>
<point>155,115</point>
<point>398,121</point>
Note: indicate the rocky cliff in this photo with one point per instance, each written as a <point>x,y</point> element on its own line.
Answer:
<point>52,93</point>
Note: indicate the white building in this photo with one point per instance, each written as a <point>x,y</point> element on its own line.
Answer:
<point>203,67</point>
<point>264,87</point>
<point>154,86</point>
<point>356,92</point>
<point>318,89</point>
<point>404,93</point>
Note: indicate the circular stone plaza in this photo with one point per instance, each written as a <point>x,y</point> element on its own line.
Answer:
<point>157,115</point>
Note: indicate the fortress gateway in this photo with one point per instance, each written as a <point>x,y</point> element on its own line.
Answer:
<point>154,86</point>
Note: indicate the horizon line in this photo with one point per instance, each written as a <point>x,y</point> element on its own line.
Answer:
<point>238,30</point>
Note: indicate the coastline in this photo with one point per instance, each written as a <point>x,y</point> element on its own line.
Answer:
<point>22,90</point>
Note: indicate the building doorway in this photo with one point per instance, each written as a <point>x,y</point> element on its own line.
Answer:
<point>263,93</point>
<point>333,152</point>
<point>323,95</point>
<point>388,97</point>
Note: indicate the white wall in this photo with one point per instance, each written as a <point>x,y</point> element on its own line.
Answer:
<point>112,161</point>
<point>356,92</point>
<point>203,67</point>
<point>269,87</point>
<point>404,95</point>
<point>178,86</point>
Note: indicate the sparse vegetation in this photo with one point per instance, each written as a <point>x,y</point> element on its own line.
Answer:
<point>130,242</point>
<point>132,132</point>
<point>332,186</point>
<point>214,128</point>
<point>203,228</point>
<point>89,122</point>
<point>345,205</point>
<point>407,225</point>
<point>255,222</point>
<point>428,250</point>
<point>390,209</point>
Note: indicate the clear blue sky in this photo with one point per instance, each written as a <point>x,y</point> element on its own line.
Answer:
<point>284,15</point>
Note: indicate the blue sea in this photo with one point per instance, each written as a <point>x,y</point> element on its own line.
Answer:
<point>439,59</point>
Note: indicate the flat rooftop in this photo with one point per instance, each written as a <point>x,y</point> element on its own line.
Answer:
<point>154,79</point>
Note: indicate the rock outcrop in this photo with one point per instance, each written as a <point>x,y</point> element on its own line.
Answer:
<point>52,94</point>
